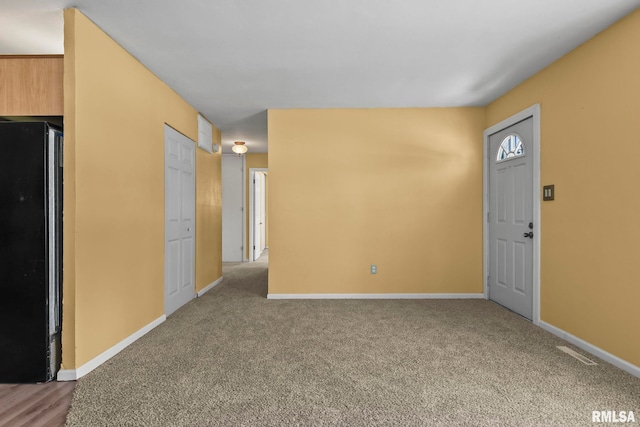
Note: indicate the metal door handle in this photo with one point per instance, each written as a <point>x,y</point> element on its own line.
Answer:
<point>529,234</point>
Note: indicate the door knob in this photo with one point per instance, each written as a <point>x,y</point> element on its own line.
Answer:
<point>529,235</point>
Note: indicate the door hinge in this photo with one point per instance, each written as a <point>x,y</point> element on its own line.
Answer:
<point>488,216</point>
<point>254,247</point>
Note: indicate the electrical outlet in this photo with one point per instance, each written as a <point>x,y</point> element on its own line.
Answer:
<point>374,269</point>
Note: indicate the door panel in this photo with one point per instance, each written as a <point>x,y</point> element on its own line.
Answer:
<point>187,259</point>
<point>520,195</point>
<point>501,262</point>
<point>179,220</point>
<point>519,265</point>
<point>173,259</point>
<point>501,195</point>
<point>510,213</point>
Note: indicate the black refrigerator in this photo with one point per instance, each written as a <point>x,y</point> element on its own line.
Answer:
<point>30,251</point>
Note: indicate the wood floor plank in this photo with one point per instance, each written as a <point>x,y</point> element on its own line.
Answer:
<point>19,395</point>
<point>50,411</point>
<point>22,406</point>
<point>6,389</point>
<point>35,404</point>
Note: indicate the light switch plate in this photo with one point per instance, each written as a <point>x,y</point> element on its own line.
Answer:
<point>548,193</point>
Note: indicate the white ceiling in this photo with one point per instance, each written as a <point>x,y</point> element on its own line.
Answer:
<point>233,59</point>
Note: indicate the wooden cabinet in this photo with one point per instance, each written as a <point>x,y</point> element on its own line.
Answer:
<point>31,85</point>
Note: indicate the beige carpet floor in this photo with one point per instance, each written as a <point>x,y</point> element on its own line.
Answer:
<point>234,358</point>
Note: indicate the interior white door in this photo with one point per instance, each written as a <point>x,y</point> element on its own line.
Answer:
<point>232,208</point>
<point>263,214</point>
<point>257,222</point>
<point>511,225</point>
<point>179,208</point>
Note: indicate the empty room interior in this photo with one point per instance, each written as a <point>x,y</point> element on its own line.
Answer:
<point>344,213</point>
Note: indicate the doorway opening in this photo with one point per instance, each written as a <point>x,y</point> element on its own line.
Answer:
<point>258,213</point>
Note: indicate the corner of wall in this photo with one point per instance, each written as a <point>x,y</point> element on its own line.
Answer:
<point>209,215</point>
<point>69,202</point>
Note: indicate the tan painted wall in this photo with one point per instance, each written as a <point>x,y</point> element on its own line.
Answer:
<point>255,160</point>
<point>590,146</point>
<point>69,196</point>
<point>115,112</point>
<point>400,188</point>
<point>208,215</point>
<point>31,85</point>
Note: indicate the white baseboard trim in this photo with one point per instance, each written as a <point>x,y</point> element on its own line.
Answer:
<point>209,287</point>
<point>74,374</point>
<point>375,296</point>
<point>596,351</point>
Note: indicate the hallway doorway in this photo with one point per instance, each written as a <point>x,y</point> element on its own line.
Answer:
<point>258,212</point>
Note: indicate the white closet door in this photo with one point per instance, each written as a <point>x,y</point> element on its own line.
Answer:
<point>179,207</point>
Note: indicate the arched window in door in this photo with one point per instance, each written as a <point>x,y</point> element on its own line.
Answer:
<point>510,148</point>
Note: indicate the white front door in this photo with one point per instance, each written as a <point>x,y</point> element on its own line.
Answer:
<point>179,218</point>
<point>232,208</point>
<point>511,224</point>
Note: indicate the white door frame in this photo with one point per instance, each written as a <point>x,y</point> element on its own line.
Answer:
<point>534,112</point>
<point>252,206</point>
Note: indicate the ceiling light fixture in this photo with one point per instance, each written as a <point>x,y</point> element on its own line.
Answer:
<point>239,148</point>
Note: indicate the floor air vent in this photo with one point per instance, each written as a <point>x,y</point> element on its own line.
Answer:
<point>577,355</point>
